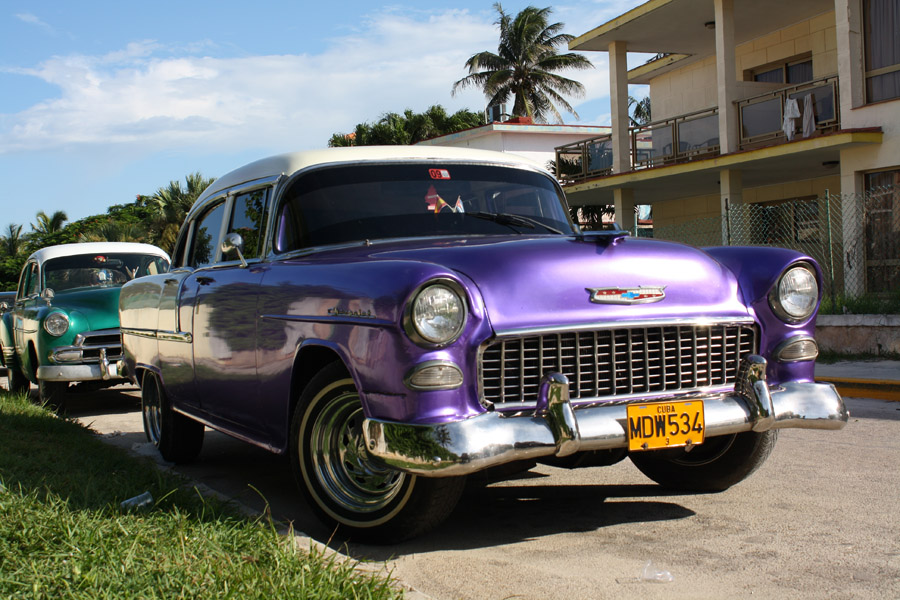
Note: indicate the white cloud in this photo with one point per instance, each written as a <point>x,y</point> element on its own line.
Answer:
<point>154,97</point>
<point>143,95</point>
<point>34,20</point>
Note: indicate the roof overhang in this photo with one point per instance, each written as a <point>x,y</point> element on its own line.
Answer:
<point>793,161</point>
<point>681,26</point>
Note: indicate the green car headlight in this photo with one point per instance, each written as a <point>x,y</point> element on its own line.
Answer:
<point>56,324</point>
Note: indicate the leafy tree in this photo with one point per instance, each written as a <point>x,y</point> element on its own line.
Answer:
<point>169,206</point>
<point>526,66</point>
<point>408,128</point>
<point>114,231</point>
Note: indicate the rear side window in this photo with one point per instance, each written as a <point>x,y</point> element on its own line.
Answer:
<point>249,220</point>
<point>206,236</point>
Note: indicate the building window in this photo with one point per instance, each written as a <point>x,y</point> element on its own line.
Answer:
<point>882,48</point>
<point>883,231</point>
<point>790,72</point>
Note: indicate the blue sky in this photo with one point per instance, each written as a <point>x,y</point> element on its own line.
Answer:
<point>101,100</point>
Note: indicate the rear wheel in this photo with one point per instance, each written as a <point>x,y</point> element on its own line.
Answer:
<point>178,438</point>
<point>344,484</point>
<point>713,466</point>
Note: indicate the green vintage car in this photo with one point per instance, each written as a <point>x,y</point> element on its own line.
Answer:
<point>63,325</point>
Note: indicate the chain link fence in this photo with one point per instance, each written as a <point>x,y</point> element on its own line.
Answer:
<point>854,238</point>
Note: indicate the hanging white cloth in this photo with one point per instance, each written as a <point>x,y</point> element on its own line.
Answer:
<point>791,112</point>
<point>809,116</point>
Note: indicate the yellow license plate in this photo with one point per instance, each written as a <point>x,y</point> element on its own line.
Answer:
<point>665,425</point>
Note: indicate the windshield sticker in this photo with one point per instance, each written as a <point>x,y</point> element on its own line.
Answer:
<point>437,204</point>
<point>439,173</point>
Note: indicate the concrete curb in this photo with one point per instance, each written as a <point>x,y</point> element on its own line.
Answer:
<point>879,389</point>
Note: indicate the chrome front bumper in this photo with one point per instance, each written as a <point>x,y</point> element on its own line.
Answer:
<point>103,369</point>
<point>556,429</point>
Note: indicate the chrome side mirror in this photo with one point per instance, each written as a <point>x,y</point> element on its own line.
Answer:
<point>47,295</point>
<point>234,241</point>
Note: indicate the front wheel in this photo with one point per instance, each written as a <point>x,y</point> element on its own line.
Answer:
<point>177,437</point>
<point>344,484</point>
<point>17,382</point>
<point>713,466</point>
<point>53,393</point>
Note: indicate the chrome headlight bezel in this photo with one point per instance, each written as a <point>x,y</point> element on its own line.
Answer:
<point>413,316</point>
<point>56,323</point>
<point>797,281</point>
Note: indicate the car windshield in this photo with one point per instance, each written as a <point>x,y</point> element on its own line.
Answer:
<point>100,270</point>
<point>372,202</point>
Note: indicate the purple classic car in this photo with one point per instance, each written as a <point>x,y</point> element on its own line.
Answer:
<point>396,319</point>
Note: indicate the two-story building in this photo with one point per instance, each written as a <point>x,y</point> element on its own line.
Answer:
<point>757,102</point>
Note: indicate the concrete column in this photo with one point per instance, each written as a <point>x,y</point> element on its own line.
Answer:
<point>731,192</point>
<point>850,59</point>
<point>624,203</point>
<point>618,101</point>
<point>726,76</point>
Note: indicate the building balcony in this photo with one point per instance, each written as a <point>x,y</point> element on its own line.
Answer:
<point>695,136</point>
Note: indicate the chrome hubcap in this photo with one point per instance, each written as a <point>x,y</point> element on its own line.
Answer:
<point>151,409</point>
<point>340,461</point>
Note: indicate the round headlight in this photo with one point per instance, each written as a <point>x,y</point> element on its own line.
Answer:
<point>796,294</point>
<point>437,314</point>
<point>56,324</point>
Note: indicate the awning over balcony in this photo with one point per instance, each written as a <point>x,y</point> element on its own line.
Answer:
<point>679,26</point>
<point>801,159</point>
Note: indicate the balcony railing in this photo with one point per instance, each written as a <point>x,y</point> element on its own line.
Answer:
<point>587,158</point>
<point>696,135</point>
<point>762,117</point>
<point>674,140</point>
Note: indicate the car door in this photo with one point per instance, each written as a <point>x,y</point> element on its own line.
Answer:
<point>224,292</point>
<point>24,312</point>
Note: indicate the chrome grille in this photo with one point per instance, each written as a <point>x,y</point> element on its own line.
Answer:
<point>627,361</point>
<point>91,342</point>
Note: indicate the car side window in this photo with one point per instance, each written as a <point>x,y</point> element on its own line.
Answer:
<point>30,283</point>
<point>249,220</point>
<point>206,236</point>
<point>178,257</point>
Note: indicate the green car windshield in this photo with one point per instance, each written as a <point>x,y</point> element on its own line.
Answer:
<point>100,270</point>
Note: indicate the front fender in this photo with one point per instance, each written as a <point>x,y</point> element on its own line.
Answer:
<point>757,270</point>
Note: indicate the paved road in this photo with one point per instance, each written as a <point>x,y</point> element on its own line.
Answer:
<point>819,520</point>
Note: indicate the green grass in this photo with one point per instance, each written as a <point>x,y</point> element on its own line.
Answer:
<point>64,536</point>
<point>868,304</point>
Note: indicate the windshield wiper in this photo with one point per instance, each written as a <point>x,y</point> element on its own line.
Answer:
<point>513,220</point>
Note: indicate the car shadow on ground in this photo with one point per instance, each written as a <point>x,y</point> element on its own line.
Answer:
<point>499,515</point>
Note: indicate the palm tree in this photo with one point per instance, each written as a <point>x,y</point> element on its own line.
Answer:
<point>52,224</point>
<point>11,243</point>
<point>170,205</point>
<point>640,113</point>
<point>114,231</point>
<point>526,65</point>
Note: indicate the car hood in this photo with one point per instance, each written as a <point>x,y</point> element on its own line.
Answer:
<point>99,306</point>
<point>546,281</point>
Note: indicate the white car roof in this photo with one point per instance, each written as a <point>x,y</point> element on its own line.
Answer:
<point>288,164</point>
<point>51,252</point>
